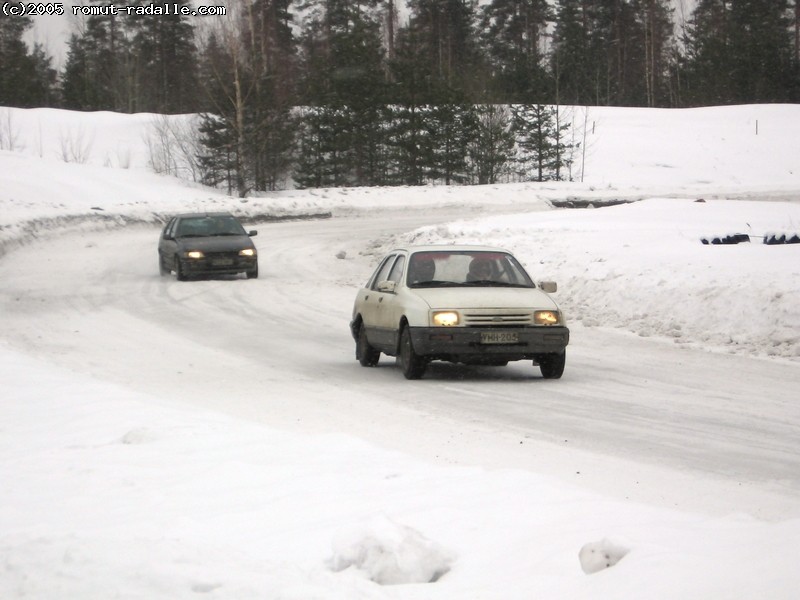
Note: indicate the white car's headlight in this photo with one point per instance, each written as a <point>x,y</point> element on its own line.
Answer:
<point>445,318</point>
<point>546,317</point>
<point>195,254</point>
<point>247,252</point>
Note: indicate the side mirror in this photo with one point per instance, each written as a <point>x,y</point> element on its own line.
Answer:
<point>386,286</point>
<point>549,287</point>
<point>252,233</point>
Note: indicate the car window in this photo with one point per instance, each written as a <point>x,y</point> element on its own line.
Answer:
<point>209,226</point>
<point>169,227</point>
<point>382,274</point>
<point>422,269</point>
<point>190,227</point>
<point>372,277</point>
<point>396,274</point>
<point>226,225</point>
<point>512,272</point>
<point>454,268</point>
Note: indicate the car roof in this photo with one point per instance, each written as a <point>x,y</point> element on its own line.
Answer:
<point>204,214</point>
<point>450,248</point>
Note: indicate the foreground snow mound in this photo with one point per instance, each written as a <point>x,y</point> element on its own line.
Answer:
<point>596,556</point>
<point>388,554</point>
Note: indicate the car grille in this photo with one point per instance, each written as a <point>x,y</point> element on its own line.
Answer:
<point>497,317</point>
<point>222,255</point>
<point>222,260</point>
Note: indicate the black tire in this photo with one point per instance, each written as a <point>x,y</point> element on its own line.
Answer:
<point>366,355</point>
<point>552,365</point>
<point>252,274</point>
<point>162,270</point>
<point>179,274</point>
<point>411,363</point>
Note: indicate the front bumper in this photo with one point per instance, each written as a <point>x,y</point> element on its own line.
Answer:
<point>463,344</point>
<point>222,266</point>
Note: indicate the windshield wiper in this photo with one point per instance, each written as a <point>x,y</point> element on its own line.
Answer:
<point>433,283</point>
<point>490,283</point>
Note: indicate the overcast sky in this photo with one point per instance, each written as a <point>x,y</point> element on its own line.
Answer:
<point>52,32</point>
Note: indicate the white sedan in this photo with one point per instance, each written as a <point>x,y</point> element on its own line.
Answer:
<point>463,304</point>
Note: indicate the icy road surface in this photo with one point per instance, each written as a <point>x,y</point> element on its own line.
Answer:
<point>278,350</point>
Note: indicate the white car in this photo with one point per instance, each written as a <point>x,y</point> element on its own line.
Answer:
<point>463,304</point>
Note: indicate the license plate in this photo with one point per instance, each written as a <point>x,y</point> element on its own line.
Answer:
<point>499,337</point>
<point>222,262</point>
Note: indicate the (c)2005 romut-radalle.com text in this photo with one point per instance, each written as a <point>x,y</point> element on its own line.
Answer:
<point>32,9</point>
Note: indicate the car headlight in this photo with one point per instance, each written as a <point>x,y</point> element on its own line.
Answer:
<point>546,317</point>
<point>445,318</point>
<point>247,252</point>
<point>195,254</point>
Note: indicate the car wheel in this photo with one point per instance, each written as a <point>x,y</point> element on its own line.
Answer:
<point>552,365</point>
<point>253,274</point>
<point>162,270</point>
<point>412,364</point>
<point>179,274</point>
<point>367,355</point>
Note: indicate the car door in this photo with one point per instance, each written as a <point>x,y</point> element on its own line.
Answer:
<point>388,309</point>
<point>370,299</point>
<point>166,243</point>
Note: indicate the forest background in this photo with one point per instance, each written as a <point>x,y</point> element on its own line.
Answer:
<point>324,93</point>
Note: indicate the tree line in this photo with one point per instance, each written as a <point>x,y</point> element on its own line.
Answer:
<point>379,92</point>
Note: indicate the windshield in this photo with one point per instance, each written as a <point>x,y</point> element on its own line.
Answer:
<point>465,268</point>
<point>209,225</point>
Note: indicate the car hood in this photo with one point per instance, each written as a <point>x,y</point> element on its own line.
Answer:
<point>485,297</point>
<point>219,243</point>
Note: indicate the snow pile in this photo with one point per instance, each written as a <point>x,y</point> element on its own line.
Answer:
<point>596,556</point>
<point>389,554</point>
<point>642,267</point>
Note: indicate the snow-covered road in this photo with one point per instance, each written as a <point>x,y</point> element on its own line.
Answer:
<point>162,440</point>
<point>277,350</point>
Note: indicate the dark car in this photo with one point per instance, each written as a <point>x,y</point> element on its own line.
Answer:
<point>206,244</point>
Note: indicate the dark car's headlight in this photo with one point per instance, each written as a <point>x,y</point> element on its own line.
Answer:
<point>194,254</point>
<point>546,317</point>
<point>247,252</point>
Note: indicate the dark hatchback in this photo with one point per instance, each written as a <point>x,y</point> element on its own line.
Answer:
<point>206,244</point>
